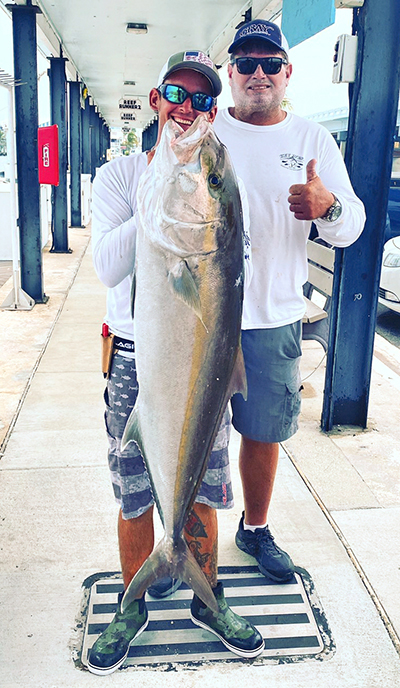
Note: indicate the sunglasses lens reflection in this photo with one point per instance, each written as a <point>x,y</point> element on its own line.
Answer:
<point>177,95</point>
<point>202,102</point>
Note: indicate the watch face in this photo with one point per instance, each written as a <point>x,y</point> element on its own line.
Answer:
<point>335,212</point>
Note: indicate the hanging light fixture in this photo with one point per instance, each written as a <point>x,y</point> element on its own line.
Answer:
<point>136,28</point>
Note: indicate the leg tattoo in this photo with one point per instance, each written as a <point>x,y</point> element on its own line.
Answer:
<point>203,547</point>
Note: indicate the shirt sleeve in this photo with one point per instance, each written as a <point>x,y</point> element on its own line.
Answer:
<point>333,173</point>
<point>113,223</point>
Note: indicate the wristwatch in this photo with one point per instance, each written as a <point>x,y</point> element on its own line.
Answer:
<point>334,211</point>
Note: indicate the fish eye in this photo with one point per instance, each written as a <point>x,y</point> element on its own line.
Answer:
<point>214,181</point>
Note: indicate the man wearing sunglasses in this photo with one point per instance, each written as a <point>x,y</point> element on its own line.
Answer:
<point>187,86</point>
<point>294,174</point>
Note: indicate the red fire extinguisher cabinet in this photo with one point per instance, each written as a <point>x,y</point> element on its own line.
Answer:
<point>48,155</point>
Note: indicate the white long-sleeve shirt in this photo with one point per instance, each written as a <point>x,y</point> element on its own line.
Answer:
<point>114,227</point>
<point>114,235</point>
<point>269,159</point>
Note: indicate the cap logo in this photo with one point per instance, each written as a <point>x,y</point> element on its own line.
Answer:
<point>256,28</point>
<point>197,56</point>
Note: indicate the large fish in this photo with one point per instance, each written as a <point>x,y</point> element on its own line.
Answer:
<point>187,291</point>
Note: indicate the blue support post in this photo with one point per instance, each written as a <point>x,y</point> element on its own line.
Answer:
<point>102,150</point>
<point>75,155</point>
<point>86,165</point>
<point>99,125</point>
<point>58,98</point>
<point>372,121</point>
<point>149,135</point>
<point>93,140</point>
<point>26,126</point>
<point>105,141</point>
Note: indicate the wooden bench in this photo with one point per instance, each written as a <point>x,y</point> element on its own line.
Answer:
<point>318,292</point>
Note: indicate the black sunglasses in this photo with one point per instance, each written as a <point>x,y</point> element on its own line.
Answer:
<point>248,65</point>
<point>176,94</point>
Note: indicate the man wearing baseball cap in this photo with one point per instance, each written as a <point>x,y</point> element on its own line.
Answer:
<point>294,174</point>
<point>188,85</point>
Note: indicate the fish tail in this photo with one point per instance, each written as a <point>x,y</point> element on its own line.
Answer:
<point>170,559</point>
<point>188,570</point>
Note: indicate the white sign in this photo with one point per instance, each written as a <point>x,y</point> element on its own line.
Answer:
<point>130,103</point>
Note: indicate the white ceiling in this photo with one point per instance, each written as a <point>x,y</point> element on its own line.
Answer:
<point>94,39</point>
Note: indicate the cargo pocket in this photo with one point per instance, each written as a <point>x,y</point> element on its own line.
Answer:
<point>291,407</point>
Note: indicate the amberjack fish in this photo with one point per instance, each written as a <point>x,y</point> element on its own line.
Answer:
<point>187,295</point>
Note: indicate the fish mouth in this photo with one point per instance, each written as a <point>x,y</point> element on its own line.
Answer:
<point>186,139</point>
<point>183,124</point>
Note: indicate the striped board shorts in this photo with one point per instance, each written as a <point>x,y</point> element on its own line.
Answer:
<point>128,472</point>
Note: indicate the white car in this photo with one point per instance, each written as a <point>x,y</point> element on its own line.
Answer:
<point>389,289</point>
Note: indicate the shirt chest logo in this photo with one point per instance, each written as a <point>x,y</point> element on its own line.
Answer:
<point>292,161</point>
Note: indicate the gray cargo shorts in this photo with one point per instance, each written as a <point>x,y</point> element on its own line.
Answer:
<point>272,361</point>
<point>129,476</point>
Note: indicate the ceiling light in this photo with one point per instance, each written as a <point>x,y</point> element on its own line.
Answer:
<point>136,28</point>
<point>129,83</point>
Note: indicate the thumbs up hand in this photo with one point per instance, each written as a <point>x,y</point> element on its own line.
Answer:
<point>310,200</point>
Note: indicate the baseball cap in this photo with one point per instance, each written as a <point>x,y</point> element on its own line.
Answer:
<point>197,61</point>
<point>259,28</point>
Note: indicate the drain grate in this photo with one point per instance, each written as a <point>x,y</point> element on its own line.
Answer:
<point>282,613</point>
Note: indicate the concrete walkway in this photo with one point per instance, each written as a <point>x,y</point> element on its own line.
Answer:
<point>335,509</point>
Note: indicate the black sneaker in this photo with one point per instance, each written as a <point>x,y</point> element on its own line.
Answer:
<point>111,647</point>
<point>272,561</point>
<point>164,587</point>
<point>235,632</point>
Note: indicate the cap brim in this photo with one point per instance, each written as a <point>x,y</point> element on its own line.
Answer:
<point>237,44</point>
<point>202,69</point>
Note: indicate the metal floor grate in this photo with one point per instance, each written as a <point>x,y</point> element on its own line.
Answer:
<point>292,629</point>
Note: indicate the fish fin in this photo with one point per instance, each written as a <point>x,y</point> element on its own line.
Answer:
<point>133,293</point>
<point>132,432</point>
<point>238,382</point>
<point>190,572</point>
<point>156,566</point>
<point>184,287</point>
<point>170,559</point>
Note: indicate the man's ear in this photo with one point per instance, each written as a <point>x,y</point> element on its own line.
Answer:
<point>289,70</point>
<point>154,100</point>
<point>212,114</point>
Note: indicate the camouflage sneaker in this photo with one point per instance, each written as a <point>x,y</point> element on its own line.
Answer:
<point>111,648</point>
<point>237,634</point>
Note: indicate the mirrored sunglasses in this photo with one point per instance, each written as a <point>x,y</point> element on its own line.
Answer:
<point>176,94</point>
<point>248,65</point>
